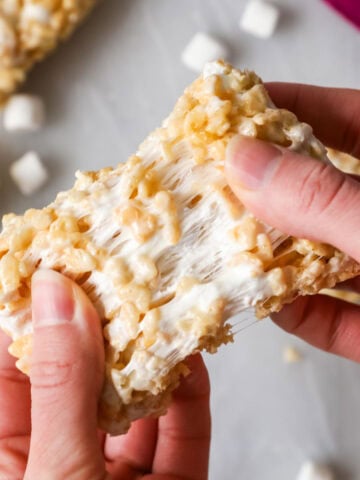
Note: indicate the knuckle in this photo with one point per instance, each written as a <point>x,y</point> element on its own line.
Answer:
<point>51,374</point>
<point>320,190</point>
<point>179,434</point>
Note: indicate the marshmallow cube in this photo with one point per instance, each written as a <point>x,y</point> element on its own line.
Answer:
<point>24,112</point>
<point>313,471</point>
<point>260,18</point>
<point>29,173</point>
<point>202,49</point>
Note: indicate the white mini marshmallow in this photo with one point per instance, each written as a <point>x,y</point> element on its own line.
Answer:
<point>24,112</point>
<point>313,471</point>
<point>260,18</point>
<point>29,173</point>
<point>202,49</point>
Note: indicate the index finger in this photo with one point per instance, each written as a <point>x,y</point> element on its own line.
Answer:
<point>332,112</point>
<point>182,449</point>
<point>329,324</point>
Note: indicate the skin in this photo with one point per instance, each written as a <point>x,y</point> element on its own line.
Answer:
<point>48,424</point>
<point>321,203</point>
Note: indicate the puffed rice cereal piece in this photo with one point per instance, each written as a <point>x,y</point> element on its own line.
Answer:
<point>344,162</point>
<point>291,354</point>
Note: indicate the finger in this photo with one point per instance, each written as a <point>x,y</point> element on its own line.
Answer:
<point>66,377</point>
<point>14,415</point>
<point>136,449</point>
<point>352,285</point>
<point>332,112</point>
<point>184,433</point>
<point>296,194</point>
<point>326,323</point>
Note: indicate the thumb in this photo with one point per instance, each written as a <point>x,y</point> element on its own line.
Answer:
<point>297,194</point>
<point>66,378</point>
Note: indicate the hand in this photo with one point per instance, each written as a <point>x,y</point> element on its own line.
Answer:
<point>58,438</point>
<point>308,199</point>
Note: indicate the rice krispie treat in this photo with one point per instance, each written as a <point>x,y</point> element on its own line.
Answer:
<point>30,30</point>
<point>164,249</point>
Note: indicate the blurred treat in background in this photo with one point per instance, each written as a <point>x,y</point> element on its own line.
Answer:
<point>29,31</point>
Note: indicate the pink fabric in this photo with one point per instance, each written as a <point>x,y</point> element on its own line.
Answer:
<point>348,8</point>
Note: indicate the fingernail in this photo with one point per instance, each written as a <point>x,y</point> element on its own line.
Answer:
<point>251,162</point>
<point>52,299</point>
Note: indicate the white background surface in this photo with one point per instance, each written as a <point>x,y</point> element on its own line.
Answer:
<point>105,90</point>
